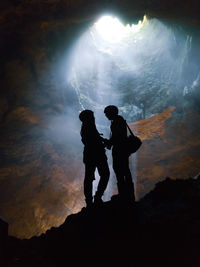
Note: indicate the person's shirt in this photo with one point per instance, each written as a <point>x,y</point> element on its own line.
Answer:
<point>118,131</point>
<point>93,145</point>
<point>90,136</point>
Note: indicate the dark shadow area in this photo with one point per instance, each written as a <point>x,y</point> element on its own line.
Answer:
<point>160,230</point>
<point>94,157</point>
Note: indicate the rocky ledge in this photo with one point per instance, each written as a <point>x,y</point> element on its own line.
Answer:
<point>162,229</point>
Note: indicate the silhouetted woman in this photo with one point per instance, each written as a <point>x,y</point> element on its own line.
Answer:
<point>94,156</point>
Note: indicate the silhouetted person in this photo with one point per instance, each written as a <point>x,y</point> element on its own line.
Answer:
<point>94,156</point>
<point>120,156</point>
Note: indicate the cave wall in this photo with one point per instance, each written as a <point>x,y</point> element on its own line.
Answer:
<point>40,178</point>
<point>170,148</point>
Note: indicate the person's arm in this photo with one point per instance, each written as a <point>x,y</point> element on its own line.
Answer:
<point>107,143</point>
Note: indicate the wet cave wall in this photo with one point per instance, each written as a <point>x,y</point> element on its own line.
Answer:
<point>41,170</point>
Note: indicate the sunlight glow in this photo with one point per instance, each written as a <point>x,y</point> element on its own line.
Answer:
<point>112,30</point>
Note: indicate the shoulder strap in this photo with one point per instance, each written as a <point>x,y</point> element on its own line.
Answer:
<point>129,129</point>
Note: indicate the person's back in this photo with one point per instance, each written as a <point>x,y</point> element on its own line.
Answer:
<point>93,145</point>
<point>119,132</point>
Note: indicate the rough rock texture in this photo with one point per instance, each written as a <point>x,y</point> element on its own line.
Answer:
<point>3,237</point>
<point>160,230</point>
<point>170,147</point>
<point>41,181</point>
<point>41,176</point>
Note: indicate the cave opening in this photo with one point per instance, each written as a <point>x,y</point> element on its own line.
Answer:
<point>142,68</point>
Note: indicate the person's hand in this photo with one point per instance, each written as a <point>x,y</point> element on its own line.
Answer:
<point>107,143</point>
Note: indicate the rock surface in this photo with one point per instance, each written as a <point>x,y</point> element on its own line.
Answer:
<point>3,238</point>
<point>162,229</point>
<point>41,180</point>
<point>170,147</point>
<point>41,171</point>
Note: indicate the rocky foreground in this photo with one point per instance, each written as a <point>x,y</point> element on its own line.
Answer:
<point>162,229</point>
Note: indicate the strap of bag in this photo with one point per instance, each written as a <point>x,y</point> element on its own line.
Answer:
<point>129,129</point>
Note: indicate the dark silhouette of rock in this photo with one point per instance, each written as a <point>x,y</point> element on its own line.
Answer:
<point>160,230</point>
<point>3,238</point>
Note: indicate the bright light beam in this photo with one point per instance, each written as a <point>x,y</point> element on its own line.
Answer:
<point>112,30</point>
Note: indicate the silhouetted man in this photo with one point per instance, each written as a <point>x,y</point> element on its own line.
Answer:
<point>119,153</point>
<point>94,156</point>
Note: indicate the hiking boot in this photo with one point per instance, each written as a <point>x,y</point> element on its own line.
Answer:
<point>89,203</point>
<point>98,201</point>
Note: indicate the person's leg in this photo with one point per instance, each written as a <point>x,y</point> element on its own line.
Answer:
<point>89,177</point>
<point>130,192</point>
<point>104,174</point>
<point>124,178</point>
<point>119,172</point>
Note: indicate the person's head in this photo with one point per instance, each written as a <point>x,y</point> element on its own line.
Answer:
<point>86,116</point>
<point>111,112</point>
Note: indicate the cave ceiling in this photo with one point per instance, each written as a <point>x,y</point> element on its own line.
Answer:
<point>41,170</point>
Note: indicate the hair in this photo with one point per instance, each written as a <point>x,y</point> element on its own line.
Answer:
<point>86,115</point>
<point>111,110</point>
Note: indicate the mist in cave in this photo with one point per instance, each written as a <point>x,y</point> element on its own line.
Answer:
<point>143,69</point>
<point>140,68</point>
